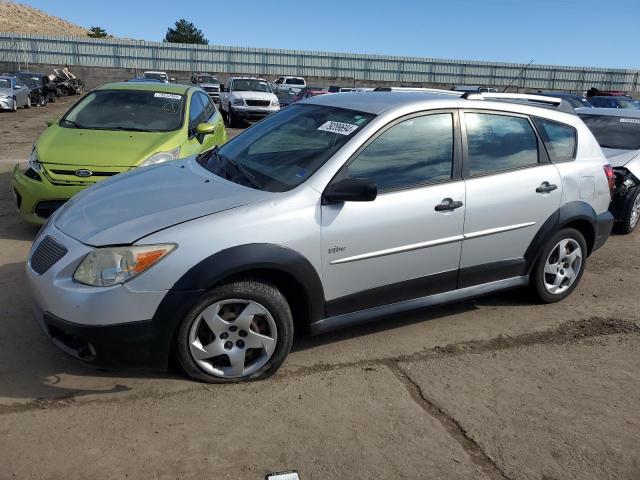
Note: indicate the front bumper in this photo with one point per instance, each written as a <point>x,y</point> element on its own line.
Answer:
<point>253,113</point>
<point>36,198</point>
<point>6,103</point>
<point>109,326</point>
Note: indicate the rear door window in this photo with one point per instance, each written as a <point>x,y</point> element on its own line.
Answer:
<point>497,143</point>
<point>560,139</point>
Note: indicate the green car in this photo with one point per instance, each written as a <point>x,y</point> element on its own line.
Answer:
<point>113,129</point>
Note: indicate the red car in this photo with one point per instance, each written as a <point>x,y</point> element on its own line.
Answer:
<point>308,92</point>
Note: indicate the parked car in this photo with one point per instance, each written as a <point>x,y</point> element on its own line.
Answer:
<point>308,92</point>
<point>576,101</point>
<point>34,82</point>
<point>208,83</point>
<point>66,83</point>
<point>247,99</point>
<point>614,102</point>
<point>140,79</point>
<point>338,210</point>
<point>289,85</point>
<point>160,76</point>
<point>113,129</point>
<point>338,89</point>
<point>618,133</point>
<point>13,94</point>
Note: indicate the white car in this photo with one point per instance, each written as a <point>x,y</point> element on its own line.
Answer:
<point>159,76</point>
<point>248,99</point>
<point>291,85</point>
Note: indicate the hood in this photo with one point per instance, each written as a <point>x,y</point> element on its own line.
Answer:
<point>132,205</point>
<point>619,158</point>
<point>254,95</point>
<point>84,147</point>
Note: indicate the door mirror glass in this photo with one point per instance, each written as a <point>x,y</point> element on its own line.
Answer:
<point>50,122</point>
<point>351,190</point>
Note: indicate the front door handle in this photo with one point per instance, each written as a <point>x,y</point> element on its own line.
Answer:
<point>546,187</point>
<point>448,205</point>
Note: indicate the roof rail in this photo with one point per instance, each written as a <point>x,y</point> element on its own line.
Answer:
<point>542,100</point>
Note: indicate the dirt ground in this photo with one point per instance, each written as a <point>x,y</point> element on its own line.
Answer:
<point>496,388</point>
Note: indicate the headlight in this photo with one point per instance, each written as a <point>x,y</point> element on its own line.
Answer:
<point>109,266</point>
<point>237,101</point>
<point>33,161</point>
<point>160,157</point>
<point>275,103</point>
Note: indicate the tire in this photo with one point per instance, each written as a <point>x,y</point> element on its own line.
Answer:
<point>28,104</point>
<point>15,105</point>
<point>563,257</point>
<point>249,312</point>
<point>231,119</point>
<point>631,213</point>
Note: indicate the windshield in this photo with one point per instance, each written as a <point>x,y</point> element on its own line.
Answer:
<point>614,102</point>
<point>5,83</point>
<point>28,80</point>
<point>207,79</point>
<point>251,86</point>
<point>285,149</point>
<point>614,132</point>
<point>294,81</point>
<point>134,110</point>
<point>156,76</point>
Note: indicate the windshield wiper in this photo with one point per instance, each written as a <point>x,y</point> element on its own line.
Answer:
<point>224,161</point>
<point>120,128</point>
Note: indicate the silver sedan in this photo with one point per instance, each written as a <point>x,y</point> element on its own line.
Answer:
<point>13,94</point>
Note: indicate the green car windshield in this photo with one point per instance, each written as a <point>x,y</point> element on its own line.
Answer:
<point>285,149</point>
<point>131,110</point>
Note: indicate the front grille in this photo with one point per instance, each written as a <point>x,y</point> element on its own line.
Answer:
<point>45,208</point>
<point>46,254</point>
<point>258,103</point>
<point>211,89</point>
<point>93,174</point>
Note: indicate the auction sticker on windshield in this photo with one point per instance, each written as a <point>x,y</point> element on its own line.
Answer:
<point>167,95</point>
<point>337,127</point>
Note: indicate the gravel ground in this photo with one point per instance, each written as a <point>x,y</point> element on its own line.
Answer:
<point>497,388</point>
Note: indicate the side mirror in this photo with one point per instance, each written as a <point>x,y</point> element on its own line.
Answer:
<point>18,87</point>
<point>203,129</point>
<point>49,122</point>
<point>350,190</point>
<point>172,80</point>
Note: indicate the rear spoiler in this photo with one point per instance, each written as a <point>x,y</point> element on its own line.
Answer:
<point>534,100</point>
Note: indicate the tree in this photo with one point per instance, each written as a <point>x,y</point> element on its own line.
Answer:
<point>185,32</point>
<point>98,32</point>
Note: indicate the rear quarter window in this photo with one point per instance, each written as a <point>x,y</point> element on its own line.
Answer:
<point>559,139</point>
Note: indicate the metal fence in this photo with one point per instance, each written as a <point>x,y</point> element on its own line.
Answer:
<point>134,54</point>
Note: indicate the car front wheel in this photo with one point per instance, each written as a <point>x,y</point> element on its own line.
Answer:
<point>560,266</point>
<point>237,332</point>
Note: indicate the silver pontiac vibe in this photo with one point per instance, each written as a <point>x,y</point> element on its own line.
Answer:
<point>337,210</point>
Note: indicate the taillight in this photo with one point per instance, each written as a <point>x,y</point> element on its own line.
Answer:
<point>611,178</point>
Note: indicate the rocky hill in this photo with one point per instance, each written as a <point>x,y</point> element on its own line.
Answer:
<point>21,18</point>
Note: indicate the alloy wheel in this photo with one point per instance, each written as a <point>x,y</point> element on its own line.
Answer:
<point>233,338</point>
<point>562,266</point>
<point>635,213</point>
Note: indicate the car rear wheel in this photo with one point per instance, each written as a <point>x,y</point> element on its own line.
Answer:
<point>237,332</point>
<point>231,118</point>
<point>631,215</point>
<point>28,104</point>
<point>559,269</point>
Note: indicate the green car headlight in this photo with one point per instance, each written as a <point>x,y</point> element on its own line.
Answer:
<point>105,267</point>
<point>34,163</point>
<point>161,157</point>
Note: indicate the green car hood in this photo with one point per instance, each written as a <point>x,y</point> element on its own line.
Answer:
<point>107,148</point>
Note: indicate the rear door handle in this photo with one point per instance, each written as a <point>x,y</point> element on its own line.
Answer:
<point>448,205</point>
<point>546,187</point>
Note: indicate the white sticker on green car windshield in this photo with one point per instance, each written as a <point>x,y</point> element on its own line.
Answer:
<point>337,127</point>
<point>167,95</point>
<point>630,120</point>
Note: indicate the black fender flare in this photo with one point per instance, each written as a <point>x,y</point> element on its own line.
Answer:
<point>229,263</point>
<point>566,214</point>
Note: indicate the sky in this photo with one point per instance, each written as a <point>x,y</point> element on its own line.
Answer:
<point>558,32</point>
